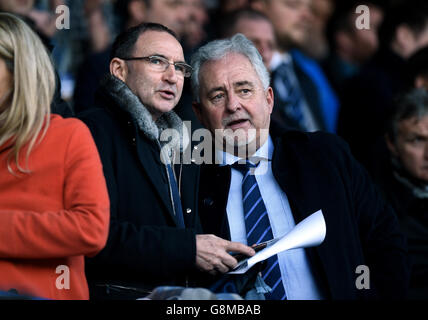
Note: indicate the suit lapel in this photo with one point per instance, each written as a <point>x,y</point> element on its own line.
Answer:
<point>213,194</point>
<point>156,172</point>
<point>295,177</point>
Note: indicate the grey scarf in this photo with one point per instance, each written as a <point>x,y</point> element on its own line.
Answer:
<point>173,141</point>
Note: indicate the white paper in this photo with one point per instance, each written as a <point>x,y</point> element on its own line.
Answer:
<point>308,233</point>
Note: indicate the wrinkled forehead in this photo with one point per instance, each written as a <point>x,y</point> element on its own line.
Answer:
<point>228,70</point>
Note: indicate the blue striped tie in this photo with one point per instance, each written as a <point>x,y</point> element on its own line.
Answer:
<point>287,92</point>
<point>258,228</point>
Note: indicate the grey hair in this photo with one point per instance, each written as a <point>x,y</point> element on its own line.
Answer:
<point>412,104</point>
<point>218,49</point>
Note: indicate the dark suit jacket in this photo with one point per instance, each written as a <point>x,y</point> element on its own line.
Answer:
<point>311,95</point>
<point>317,171</point>
<point>145,248</point>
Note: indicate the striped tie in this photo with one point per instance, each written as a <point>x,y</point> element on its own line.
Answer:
<point>287,92</point>
<point>258,228</point>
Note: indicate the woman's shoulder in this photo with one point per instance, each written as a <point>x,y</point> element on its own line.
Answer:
<point>67,128</point>
<point>58,123</point>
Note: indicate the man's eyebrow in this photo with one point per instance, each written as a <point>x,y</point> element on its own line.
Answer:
<point>162,56</point>
<point>243,83</point>
<point>215,89</point>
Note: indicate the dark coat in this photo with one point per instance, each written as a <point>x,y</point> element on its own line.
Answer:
<point>366,101</point>
<point>311,95</point>
<point>317,171</point>
<point>412,213</point>
<point>145,247</point>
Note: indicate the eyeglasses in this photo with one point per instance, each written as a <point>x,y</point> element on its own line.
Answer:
<point>161,64</point>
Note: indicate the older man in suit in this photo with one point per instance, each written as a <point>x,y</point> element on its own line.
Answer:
<point>304,172</point>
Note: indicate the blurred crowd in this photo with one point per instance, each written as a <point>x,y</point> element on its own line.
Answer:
<point>358,69</point>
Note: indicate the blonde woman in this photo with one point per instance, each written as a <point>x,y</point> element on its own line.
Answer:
<point>54,206</point>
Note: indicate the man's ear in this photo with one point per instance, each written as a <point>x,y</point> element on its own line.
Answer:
<point>119,69</point>
<point>270,99</point>
<point>391,145</point>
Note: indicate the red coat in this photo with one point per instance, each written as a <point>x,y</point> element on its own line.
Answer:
<point>53,216</point>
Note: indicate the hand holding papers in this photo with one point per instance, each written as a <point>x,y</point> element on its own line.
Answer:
<point>308,233</point>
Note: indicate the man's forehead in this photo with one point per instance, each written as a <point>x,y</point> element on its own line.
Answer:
<point>414,125</point>
<point>158,42</point>
<point>233,67</point>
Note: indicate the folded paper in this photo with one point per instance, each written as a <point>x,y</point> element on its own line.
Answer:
<point>308,233</point>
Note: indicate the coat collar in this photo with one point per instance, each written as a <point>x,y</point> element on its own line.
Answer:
<point>127,101</point>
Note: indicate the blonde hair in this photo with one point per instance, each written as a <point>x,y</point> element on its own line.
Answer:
<point>26,116</point>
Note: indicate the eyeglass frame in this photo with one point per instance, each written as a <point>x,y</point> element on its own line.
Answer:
<point>148,58</point>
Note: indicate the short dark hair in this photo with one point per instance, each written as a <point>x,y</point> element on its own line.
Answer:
<point>229,21</point>
<point>414,15</point>
<point>413,103</point>
<point>124,43</point>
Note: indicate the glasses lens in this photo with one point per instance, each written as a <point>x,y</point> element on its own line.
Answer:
<point>184,69</point>
<point>158,62</point>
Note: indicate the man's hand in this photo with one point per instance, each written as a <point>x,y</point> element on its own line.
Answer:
<point>212,253</point>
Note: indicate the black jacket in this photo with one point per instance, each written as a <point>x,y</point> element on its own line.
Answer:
<point>145,248</point>
<point>317,171</point>
<point>412,213</point>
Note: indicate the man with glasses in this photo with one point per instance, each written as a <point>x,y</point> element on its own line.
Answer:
<point>153,239</point>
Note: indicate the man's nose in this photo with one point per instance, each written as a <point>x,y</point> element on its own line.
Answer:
<point>170,74</point>
<point>232,102</point>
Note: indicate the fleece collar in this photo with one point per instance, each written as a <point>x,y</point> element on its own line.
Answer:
<point>129,102</point>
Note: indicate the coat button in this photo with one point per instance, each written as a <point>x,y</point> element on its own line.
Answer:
<point>208,202</point>
<point>188,211</point>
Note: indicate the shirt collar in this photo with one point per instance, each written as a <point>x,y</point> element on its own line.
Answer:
<point>264,153</point>
<point>279,58</point>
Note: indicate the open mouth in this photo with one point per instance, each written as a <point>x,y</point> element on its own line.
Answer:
<point>167,94</point>
<point>237,123</point>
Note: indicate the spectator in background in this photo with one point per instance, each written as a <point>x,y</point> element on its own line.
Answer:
<point>53,195</point>
<point>350,47</point>
<point>256,27</point>
<point>24,10</point>
<point>405,184</point>
<point>44,20</point>
<point>417,69</point>
<point>173,14</point>
<point>303,97</point>
<point>316,45</point>
<point>367,97</point>
<point>194,27</point>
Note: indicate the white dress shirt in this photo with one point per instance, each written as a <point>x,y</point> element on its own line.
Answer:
<point>298,280</point>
